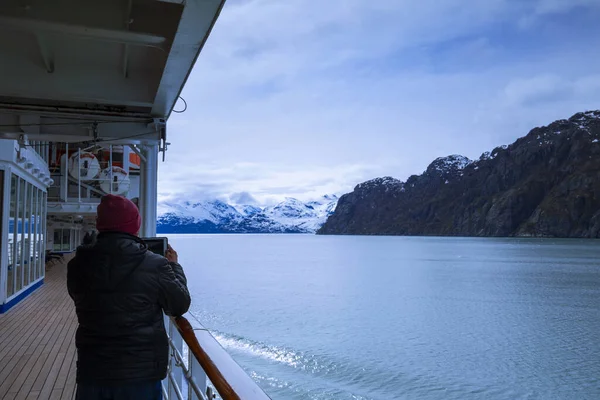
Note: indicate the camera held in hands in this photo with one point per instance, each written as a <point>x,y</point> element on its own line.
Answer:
<point>157,245</point>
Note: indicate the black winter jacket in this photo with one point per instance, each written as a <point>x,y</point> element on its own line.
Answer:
<point>120,290</point>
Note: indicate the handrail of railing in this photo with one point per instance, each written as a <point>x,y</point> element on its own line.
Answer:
<point>230,380</point>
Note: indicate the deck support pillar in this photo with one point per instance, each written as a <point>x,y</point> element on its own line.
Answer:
<point>148,190</point>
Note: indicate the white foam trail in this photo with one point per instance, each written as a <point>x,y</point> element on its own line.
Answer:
<point>272,353</point>
<point>316,365</point>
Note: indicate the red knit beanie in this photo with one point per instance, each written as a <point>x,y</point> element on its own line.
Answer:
<point>118,214</point>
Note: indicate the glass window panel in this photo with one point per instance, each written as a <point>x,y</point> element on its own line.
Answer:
<point>42,265</point>
<point>27,235</point>
<point>45,225</point>
<point>12,236</point>
<point>40,252</point>
<point>32,255</point>
<point>41,258</point>
<point>35,221</point>
<point>21,235</point>
<point>66,239</point>
<point>2,232</point>
<point>57,239</point>
<point>6,235</point>
<point>38,233</point>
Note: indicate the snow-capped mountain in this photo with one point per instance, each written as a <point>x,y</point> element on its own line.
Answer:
<point>247,210</point>
<point>214,211</point>
<point>215,216</point>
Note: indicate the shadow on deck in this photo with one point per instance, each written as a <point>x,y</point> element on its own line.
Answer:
<point>37,345</point>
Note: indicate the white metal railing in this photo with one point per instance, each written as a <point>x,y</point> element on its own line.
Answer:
<point>199,368</point>
<point>184,371</point>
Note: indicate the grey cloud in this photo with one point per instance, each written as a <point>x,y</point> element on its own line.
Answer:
<point>243,198</point>
<point>288,98</point>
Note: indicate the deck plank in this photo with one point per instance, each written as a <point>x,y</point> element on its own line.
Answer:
<point>21,331</point>
<point>39,351</point>
<point>70,357</point>
<point>38,357</point>
<point>30,340</point>
<point>55,395</point>
<point>11,325</point>
<point>70,385</point>
<point>52,382</point>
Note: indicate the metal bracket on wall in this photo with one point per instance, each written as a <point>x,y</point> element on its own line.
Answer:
<point>161,127</point>
<point>164,149</point>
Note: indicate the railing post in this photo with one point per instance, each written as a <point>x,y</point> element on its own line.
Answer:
<point>65,179</point>
<point>148,189</point>
<point>198,376</point>
<point>110,166</point>
<point>176,383</point>
<point>165,382</point>
<point>206,360</point>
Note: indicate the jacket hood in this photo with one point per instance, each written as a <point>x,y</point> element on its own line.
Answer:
<point>111,259</point>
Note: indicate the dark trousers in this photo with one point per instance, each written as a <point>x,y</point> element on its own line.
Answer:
<point>137,391</point>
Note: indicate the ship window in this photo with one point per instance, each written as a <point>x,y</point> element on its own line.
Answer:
<point>27,234</point>
<point>63,240</point>
<point>12,237</point>
<point>43,228</point>
<point>1,215</point>
<point>21,199</point>
<point>40,234</point>
<point>2,192</point>
<point>66,239</point>
<point>57,240</point>
<point>35,237</point>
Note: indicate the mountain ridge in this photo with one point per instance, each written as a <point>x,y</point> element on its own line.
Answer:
<point>216,216</point>
<point>544,184</point>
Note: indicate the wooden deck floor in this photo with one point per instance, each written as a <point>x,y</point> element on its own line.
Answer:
<point>37,347</point>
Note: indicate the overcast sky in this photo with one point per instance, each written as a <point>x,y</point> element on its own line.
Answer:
<point>302,98</point>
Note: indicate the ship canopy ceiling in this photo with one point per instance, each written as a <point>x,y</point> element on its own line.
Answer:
<point>77,70</point>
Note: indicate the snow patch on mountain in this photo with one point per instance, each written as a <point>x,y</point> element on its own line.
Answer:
<point>452,163</point>
<point>386,181</point>
<point>247,210</point>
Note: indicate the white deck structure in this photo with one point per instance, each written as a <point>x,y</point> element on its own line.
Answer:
<point>100,76</point>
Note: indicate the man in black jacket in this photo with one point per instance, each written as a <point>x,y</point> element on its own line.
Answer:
<point>120,290</point>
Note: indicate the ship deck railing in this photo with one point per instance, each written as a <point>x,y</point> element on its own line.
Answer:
<point>38,355</point>
<point>200,368</point>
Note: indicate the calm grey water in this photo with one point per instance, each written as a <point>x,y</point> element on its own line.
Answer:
<point>313,317</point>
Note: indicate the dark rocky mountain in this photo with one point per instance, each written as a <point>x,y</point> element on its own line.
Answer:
<point>545,184</point>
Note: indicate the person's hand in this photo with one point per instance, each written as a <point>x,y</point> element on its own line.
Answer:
<point>171,254</point>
